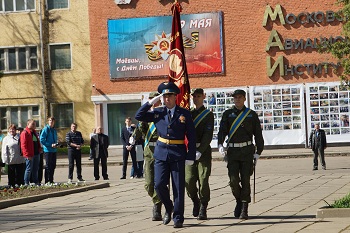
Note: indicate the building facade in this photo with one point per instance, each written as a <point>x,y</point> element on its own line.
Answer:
<point>269,49</point>
<point>45,64</point>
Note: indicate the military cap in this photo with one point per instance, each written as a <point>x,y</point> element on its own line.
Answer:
<point>153,94</point>
<point>167,88</point>
<point>197,91</point>
<point>239,92</point>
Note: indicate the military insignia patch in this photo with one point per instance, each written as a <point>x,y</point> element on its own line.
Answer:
<point>182,119</point>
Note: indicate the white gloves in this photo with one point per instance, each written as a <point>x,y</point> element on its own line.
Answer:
<point>256,157</point>
<point>189,162</point>
<point>155,99</point>
<point>222,150</point>
<point>198,155</point>
<point>132,140</point>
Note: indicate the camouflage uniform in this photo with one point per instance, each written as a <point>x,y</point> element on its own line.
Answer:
<point>240,156</point>
<point>201,169</point>
<point>141,131</point>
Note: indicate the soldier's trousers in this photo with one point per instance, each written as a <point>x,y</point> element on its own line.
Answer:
<point>149,179</point>
<point>198,172</point>
<point>239,173</point>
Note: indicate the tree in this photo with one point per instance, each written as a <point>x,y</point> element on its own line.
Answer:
<point>341,49</point>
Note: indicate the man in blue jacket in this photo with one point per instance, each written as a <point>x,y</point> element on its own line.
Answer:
<point>48,138</point>
<point>173,125</point>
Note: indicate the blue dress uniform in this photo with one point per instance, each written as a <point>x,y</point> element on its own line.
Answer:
<point>170,153</point>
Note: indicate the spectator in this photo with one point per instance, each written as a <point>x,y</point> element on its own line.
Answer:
<point>99,149</point>
<point>91,135</point>
<point>318,144</point>
<point>49,141</point>
<point>74,141</point>
<point>127,147</point>
<point>30,146</point>
<point>11,155</point>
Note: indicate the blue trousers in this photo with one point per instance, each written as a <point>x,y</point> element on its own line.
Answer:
<point>32,168</point>
<point>162,172</point>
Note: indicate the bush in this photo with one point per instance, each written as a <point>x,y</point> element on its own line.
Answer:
<point>343,202</point>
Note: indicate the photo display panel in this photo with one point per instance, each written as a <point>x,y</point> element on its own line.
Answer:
<point>281,113</point>
<point>329,106</point>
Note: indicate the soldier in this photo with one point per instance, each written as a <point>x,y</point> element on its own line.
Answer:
<point>173,124</point>
<point>201,169</point>
<point>240,124</point>
<point>149,133</point>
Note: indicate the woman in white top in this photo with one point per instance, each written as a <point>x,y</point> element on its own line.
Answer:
<point>11,155</point>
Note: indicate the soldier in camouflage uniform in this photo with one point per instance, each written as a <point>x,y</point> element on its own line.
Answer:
<point>143,131</point>
<point>201,169</point>
<point>241,152</point>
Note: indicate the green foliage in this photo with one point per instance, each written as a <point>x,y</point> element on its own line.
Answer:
<point>64,150</point>
<point>343,202</point>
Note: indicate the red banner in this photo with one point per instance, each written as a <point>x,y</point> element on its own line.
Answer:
<point>177,62</point>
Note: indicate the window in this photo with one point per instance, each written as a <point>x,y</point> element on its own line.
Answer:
<point>63,114</point>
<point>18,116</point>
<point>18,59</point>
<point>57,4</point>
<point>16,5</point>
<point>60,57</point>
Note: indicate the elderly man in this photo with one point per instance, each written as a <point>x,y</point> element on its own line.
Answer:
<point>173,124</point>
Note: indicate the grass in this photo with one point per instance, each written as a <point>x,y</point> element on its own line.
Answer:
<point>343,202</point>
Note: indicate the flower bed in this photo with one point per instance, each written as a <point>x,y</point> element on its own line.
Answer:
<point>30,190</point>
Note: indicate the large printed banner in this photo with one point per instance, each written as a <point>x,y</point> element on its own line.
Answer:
<point>139,47</point>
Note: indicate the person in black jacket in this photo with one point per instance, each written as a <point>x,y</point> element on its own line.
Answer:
<point>99,151</point>
<point>318,144</point>
<point>127,147</point>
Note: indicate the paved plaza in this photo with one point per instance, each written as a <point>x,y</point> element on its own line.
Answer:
<point>288,194</point>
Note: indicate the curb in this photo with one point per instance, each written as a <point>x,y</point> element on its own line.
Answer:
<point>24,200</point>
<point>328,212</point>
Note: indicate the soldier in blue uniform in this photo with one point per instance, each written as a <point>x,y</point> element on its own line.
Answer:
<point>173,125</point>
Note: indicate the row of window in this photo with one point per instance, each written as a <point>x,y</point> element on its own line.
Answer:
<point>23,59</point>
<point>29,5</point>
<point>19,115</point>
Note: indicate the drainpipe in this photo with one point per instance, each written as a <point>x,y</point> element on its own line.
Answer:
<point>42,59</point>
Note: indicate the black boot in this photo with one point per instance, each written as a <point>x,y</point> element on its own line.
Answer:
<point>203,212</point>
<point>157,212</point>
<point>244,213</point>
<point>238,209</point>
<point>196,206</point>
